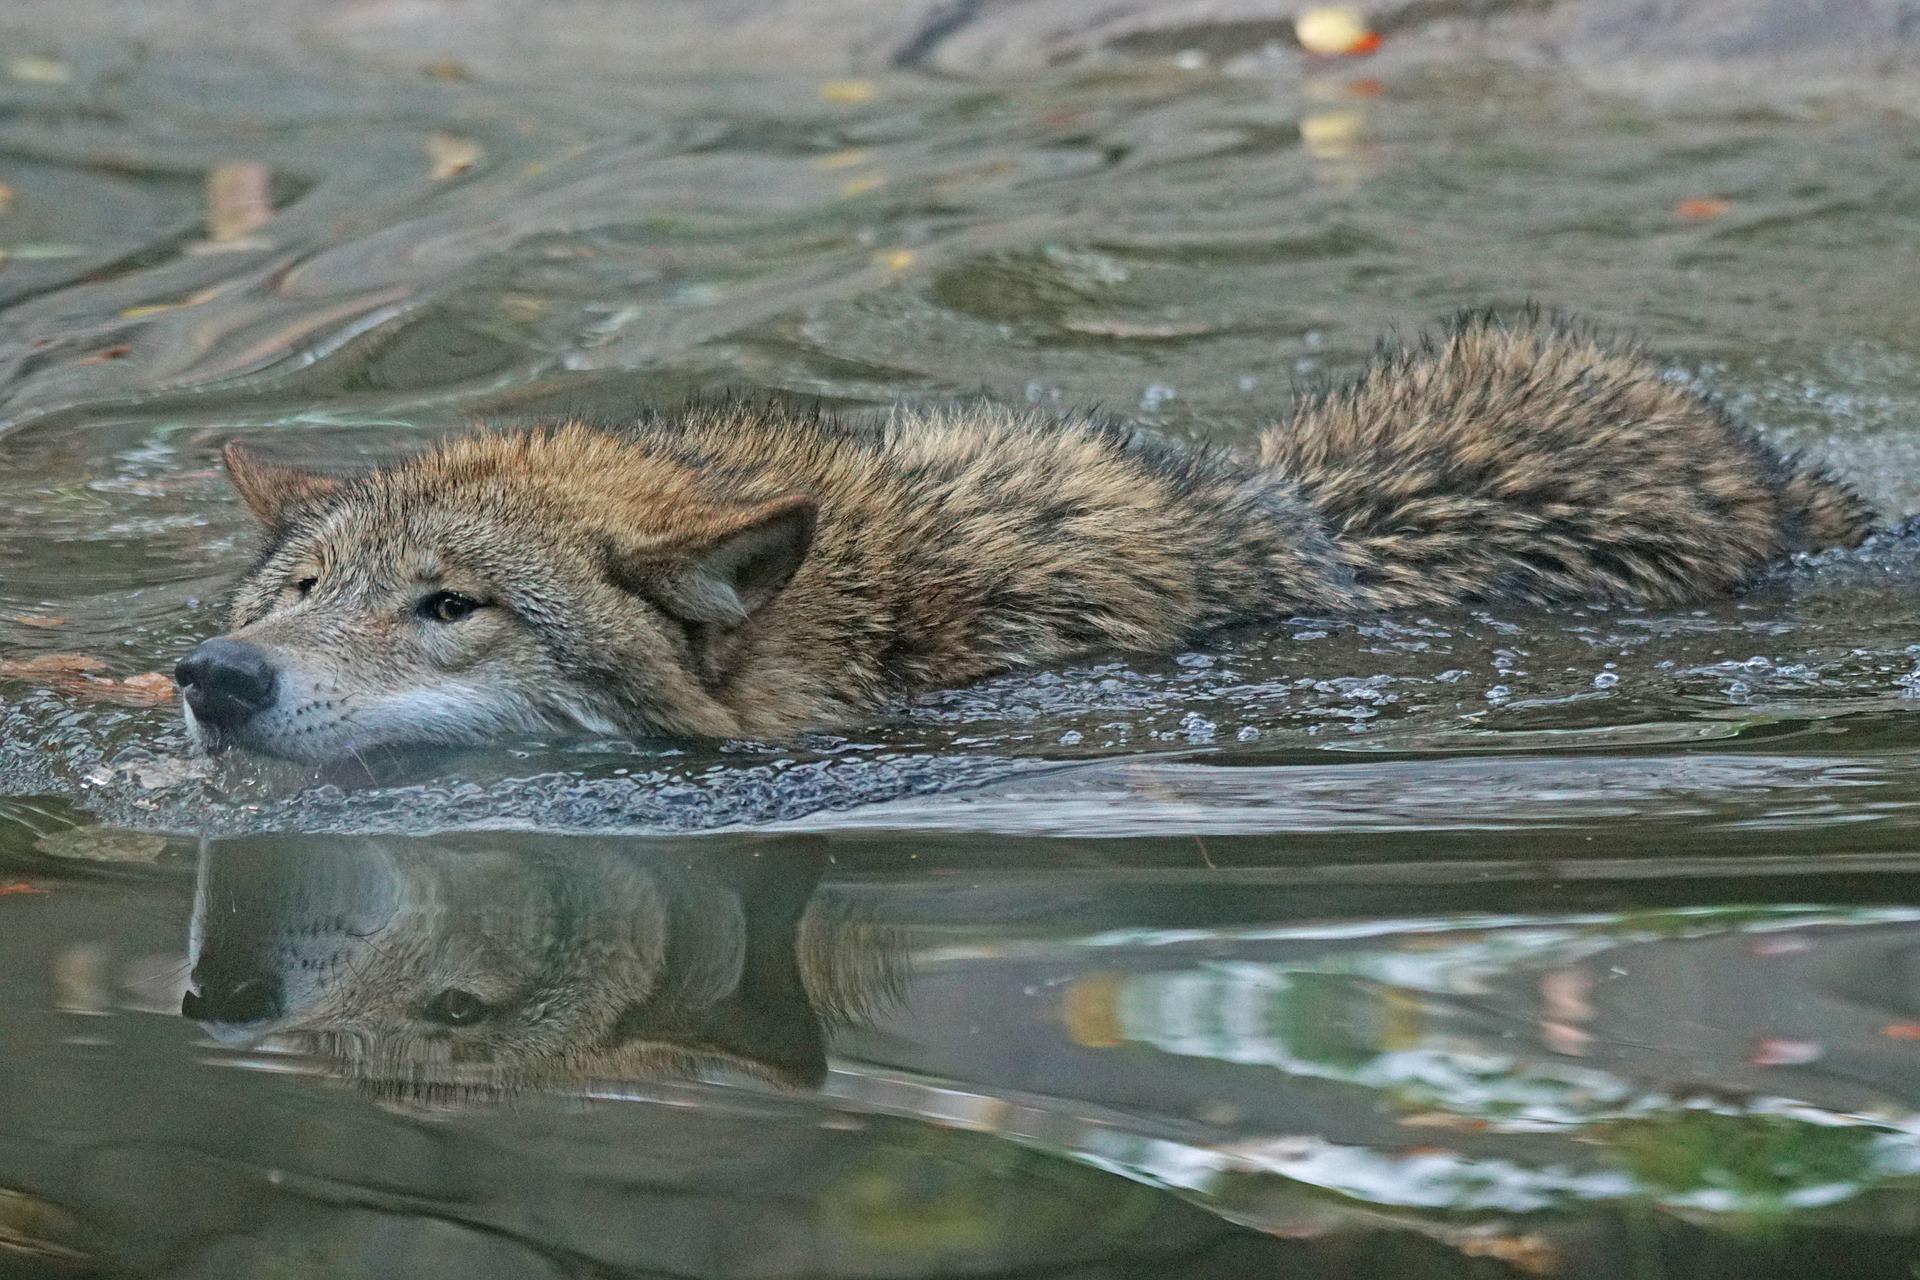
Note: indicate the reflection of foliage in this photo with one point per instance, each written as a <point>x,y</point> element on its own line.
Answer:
<point>933,1195</point>
<point>1756,1163</point>
<point>1330,1018</point>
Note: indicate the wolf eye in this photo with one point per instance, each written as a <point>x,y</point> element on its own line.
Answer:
<point>447,606</point>
<point>305,586</point>
<point>455,1008</point>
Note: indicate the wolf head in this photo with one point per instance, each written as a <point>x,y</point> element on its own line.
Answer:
<point>542,581</point>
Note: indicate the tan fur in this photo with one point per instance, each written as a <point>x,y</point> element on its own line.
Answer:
<point>747,571</point>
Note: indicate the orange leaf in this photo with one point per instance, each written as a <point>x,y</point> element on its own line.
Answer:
<point>1901,1031</point>
<point>72,673</point>
<point>148,689</point>
<point>18,887</point>
<point>50,665</point>
<point>1701,208</point>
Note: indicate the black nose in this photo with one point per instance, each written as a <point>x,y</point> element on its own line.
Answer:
<point>233,997</point>
<point>226,682</point>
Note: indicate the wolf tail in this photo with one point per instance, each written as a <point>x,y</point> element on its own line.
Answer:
<point>1536,462</point>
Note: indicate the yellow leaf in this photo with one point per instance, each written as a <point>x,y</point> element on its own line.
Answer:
<point>449,155</point>
<point>847,91</point>
<point>844,159</point>
<point>38,69</point>
<point>238,201</point>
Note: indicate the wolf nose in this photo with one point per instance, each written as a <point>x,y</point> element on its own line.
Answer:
<point>226,682</point>
<point>233,998</point>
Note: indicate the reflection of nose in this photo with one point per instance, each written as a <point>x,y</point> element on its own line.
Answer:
<point>231,993</point>
<point>226,682</point>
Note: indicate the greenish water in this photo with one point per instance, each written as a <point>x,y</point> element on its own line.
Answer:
<point>1486,943</point>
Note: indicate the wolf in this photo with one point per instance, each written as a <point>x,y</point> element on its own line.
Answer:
<point>751,571</point>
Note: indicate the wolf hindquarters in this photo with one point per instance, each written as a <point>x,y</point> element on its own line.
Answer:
<point>1536,464</point>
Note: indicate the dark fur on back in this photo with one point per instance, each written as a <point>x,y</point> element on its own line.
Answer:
<point>746,570</point>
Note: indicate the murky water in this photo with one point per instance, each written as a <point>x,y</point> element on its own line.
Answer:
<point>1480,943</point>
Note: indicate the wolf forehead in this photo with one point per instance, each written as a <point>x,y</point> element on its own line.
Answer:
<point>570,496</point>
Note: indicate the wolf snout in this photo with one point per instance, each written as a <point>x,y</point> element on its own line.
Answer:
<point>226,682</point>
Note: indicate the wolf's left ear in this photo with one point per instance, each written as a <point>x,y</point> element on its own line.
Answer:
<point>724,578</point>
<point>274,492</point>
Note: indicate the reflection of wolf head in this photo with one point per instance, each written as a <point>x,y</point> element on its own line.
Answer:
<point>436,967</point>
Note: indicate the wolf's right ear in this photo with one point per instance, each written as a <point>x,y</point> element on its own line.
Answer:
<point>721,576</point>
<point>274,492</point>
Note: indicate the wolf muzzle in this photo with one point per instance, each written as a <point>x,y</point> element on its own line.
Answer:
<point>226,682</point>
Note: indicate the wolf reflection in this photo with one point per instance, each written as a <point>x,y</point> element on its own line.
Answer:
<point>463,966</point>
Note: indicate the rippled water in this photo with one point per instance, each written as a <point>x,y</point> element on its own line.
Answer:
<point>1480,943</point>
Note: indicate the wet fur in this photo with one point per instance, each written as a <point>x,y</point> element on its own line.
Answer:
<point>750,571</point>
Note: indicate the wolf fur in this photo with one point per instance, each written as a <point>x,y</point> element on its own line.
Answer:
<point>752,571</point>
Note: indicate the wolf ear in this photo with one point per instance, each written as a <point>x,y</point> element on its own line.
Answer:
<point>273,492</point>
<point>724,578</point>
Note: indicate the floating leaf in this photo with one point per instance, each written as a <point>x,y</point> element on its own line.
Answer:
<point>193,299</point>
<point>1701,208</point>
<point>18,887</point>
<point>847,91</point>
<point>51,665</point>
<point>449,155</point>
<point>861,185</point>
<point>42,620</point>
<point>846,159</point>
<point>39,69</point>
<point>72,673</point>
<point>239,201</point>
<point>6,198</point>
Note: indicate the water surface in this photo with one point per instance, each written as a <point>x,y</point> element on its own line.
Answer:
<point>1474,943</point>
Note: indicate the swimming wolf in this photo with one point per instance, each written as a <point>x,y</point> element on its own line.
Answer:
<point>744,571</point>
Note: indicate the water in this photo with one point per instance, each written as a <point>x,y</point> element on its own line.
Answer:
<point>1472,943</point>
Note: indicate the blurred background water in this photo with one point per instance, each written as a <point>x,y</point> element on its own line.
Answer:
<point>1475,943</point>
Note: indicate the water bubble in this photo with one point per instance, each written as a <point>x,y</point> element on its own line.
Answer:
<point>1249,734</point>
<point>1071,738</point>
<point>1155,395</point>
<point>1452,675</point>
<point>1499,693</point>
<point>1605,680</point>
